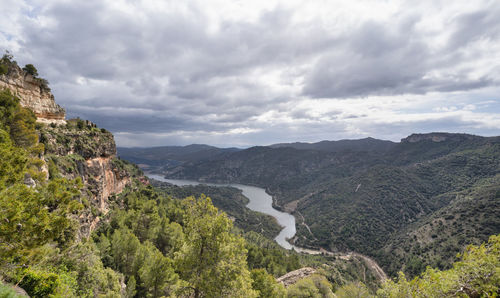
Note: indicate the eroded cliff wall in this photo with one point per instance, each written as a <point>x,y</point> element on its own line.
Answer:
<point>80,149</point>
<point>33,93</point>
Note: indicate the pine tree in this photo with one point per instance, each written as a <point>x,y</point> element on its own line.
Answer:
<point>212,259</point>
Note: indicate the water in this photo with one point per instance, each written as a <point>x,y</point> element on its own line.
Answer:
<point>259,201</point>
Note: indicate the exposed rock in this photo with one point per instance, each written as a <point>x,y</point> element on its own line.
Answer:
<point>89,153</point>
<point>437,137</point>
<point>34,94</point>
<point>28,181</point>
<point>294,276</point>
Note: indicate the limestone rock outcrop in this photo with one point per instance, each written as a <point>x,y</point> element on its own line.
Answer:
<point>438,137</point>
<point>34,94</point>
<point>294,276</point>
<point>89,153</point>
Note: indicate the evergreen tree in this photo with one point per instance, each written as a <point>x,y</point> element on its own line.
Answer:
<point>212,260</point>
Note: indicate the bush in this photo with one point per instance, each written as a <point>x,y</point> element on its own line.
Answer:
<point>4,69</point>
<point>39,284</point>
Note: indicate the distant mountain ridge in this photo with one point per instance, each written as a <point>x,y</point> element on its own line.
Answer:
<point>168,156</point>
<point>366,144</point>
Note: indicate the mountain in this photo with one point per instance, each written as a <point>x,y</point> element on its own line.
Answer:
<point>366,144</point>
<point>362,200</point>
<point>155,158</point>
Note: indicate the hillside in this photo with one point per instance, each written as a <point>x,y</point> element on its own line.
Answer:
<point>367,144</point>
<point>161,158</point>
<point>361,200</point>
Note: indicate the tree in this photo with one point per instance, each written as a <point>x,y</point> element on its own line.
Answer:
<point>170,237</point>
<point>157,274</point>
<point>125,247</point>
<point>313,286</point>
<point>265,284</point>
<point>212,260</point>
<point>353,290</point>
<point>29,68</point>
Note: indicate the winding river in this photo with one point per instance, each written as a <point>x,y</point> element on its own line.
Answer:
<point>259,201</point>
<point>262,202</point>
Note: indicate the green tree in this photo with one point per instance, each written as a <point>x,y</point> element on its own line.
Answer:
<point>212,260</point>
<point>313,286</point>
<point>157,274</point>
<point>353,290</point>
<point>170,237</point>
<point>125,248</point>
<point>266,285</point>
<point>29,68</point>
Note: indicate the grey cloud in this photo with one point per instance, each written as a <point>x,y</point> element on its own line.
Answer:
<point>388,59</point>
<point>471,27</point>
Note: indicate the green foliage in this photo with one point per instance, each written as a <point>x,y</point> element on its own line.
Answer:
<point>267,254</point>
<point>39,284</point>
<point>212,260</point>
<point>313,286</point>
<point>266,285</point>
<point>18,121</point>
<point>4,69</point>
<point>477,274</point>
<point>157,273</point>
<point>6,62</point>
<point>470,218</point>
<point>34,217</point>
<point>8,292</point>
<point>353,290</point>
<point>13,163</point>
<point>30,69</point>
<point>91,277</point>
<point>231,201</point>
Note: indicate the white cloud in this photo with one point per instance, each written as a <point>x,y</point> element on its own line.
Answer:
<point>260,72</point>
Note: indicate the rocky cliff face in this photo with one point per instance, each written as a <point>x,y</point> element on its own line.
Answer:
<point>438,137</point>
<point>79,149</point>
<point>73,148</point>
<point>34,94</point>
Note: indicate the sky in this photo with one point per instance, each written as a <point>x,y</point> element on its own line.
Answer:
<point>243,73</point>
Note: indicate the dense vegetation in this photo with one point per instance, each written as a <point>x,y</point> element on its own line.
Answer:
<point>231,201</point>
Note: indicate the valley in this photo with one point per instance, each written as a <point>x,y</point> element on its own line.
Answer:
<point>360,196</point>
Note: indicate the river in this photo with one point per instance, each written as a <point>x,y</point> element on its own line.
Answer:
<point>259,201</point>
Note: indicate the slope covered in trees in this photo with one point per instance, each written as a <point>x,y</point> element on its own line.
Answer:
<point>362,200</point>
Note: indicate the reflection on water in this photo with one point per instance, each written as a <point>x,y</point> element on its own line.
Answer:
<point>259,201</point>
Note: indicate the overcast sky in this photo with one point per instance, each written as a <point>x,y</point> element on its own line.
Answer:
<point>242,73</point>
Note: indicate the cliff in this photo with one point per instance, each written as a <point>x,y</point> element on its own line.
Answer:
<point>73,148</point>
<point>80,149</point>
<point>33,92</point>
<point>438,137</point>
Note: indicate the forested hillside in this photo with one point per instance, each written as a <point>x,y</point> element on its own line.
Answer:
<point>363,200</point>
<point>164,157</point>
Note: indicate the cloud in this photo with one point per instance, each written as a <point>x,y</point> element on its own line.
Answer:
<point>260,72</point>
